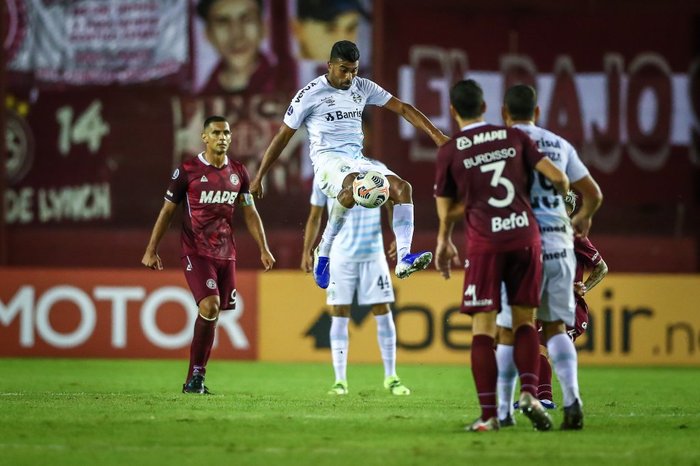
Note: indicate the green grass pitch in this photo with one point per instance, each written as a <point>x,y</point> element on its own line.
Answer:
<point>103,412</point>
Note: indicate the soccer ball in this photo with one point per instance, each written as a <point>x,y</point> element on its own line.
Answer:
<point>370,189</point>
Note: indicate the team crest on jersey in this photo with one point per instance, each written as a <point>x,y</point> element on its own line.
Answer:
<point>234,179</point>
<point>357,98</point>
<point>176,173</point>
<point>211,284</point>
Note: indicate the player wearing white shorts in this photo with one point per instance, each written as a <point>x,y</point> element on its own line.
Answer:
<point>558,307</point>
<point>358,264</point>
<point>331,108</point>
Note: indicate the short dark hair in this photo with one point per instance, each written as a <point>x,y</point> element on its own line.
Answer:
<point>467,98</point>
<point>326,10</point>
<point>213,119</point>
<point>345,50</point>
<point>203,7</point>
<point>521,100</point>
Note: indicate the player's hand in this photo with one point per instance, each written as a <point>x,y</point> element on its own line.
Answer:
<point>307,262</point>
<point>581,224</point>
<point>580,288</point>
<point>152,260</point>
<point>446,256</point>
<point>267,260</point>
<point>392,251</point>
<point>256,188</point>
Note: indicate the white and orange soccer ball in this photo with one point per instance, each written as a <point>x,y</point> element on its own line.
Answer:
<point>370,189</point>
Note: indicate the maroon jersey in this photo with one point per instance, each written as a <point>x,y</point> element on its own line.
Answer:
<point>489,169</point>
<point>209,195</point>
<point>587,257</point>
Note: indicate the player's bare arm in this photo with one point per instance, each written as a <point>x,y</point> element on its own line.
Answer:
<point>255,227</point>
<point>557,177</point>
<point>313,225</point>
<point>597,274</point>
<point>150,257</point>
<point>591,199</point>
<point>417,119</point>
<point>446,253</point>
<point>272,153</point>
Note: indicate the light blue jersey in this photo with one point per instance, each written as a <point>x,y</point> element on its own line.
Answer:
<point>360,239</point>
<point>547,204</point>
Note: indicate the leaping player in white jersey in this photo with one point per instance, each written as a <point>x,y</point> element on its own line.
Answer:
<point>558,306</point>
<point>331,108</point>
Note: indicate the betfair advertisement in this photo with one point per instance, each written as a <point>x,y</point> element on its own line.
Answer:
<point>635,320</point>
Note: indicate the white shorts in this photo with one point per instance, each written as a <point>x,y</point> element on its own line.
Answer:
<point>371,279</point>
<point>330,171</point>
<point>558,302</point>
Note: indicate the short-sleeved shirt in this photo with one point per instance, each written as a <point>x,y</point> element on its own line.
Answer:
<point>360,239</point>
<point>333,117</point>
<point>209,197</point>
<point>489,169</point>
<point>547,204</point>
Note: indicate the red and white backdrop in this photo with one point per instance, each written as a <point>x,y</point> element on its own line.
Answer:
<point>102,102</point>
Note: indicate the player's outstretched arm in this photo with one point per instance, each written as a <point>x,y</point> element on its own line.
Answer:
<point>597,274</point>
<point>557,177</point>
<point>272,153</point>
<point>417,119</point>
<point>150,257</point>
<point>446,253</point>
<point>313,225</point>
<point>255,227</point>
<point>591,199</point>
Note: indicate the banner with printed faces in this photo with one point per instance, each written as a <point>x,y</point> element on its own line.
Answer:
<point>635,320</point>
<point>116,314</point>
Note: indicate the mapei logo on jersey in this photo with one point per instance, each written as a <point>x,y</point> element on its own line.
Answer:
<point>357,98</point>
<point>470,298</point>
<point>509,223</point>
<point>464,142</point>
<point>234,179</point>
<point>217,197</point>
<point>340,115</point>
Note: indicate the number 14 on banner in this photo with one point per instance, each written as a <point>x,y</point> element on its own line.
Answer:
<point>88,128</point>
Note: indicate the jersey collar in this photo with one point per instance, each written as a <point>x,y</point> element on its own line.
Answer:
<point>204,160</point>
<point>474,125</point>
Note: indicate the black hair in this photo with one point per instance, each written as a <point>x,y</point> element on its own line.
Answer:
<point>345,50</point>
<point>213,119</point>
<point>521,100</point>
<point>203,7</point>
<point>467,98</point>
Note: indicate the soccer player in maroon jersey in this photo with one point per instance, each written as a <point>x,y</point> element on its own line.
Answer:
<point>485,172</point>
<point>209,186</point>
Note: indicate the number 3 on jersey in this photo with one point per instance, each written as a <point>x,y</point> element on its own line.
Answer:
<point>498,179</point>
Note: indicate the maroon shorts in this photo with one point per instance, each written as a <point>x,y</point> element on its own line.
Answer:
<point>581,323</point>
<point>520,270</point>
<point>207,276</point>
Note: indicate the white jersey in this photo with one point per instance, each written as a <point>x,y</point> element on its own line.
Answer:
<point>360,239</point>
<point>333,117</point>
<point>547,204</point>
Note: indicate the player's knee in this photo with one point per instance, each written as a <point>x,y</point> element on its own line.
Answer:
<point>209,307</point>
<point>505,336</point>
<point>553,328</point>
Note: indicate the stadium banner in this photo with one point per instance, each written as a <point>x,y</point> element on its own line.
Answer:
<point>115,313</point>
<point>87,42</point>
<point>635,320</point>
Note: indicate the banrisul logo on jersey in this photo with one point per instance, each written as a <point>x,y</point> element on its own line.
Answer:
<point>340,115</point>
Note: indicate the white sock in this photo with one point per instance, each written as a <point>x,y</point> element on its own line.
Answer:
<point>339,346</point>
<point>507,378</point>
<point>386,336</point>
<point>403,228</point>
<point>336,220</point>
<point>562,353</point>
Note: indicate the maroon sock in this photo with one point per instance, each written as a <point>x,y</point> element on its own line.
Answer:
<point>526,356</point>
<point>544,389</point>
<point>202,342</point>
<point>485,373</point>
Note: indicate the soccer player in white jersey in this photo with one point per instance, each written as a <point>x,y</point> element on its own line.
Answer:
<point>358,264</point>
<point>558,306</point>
<point>331,108</point>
